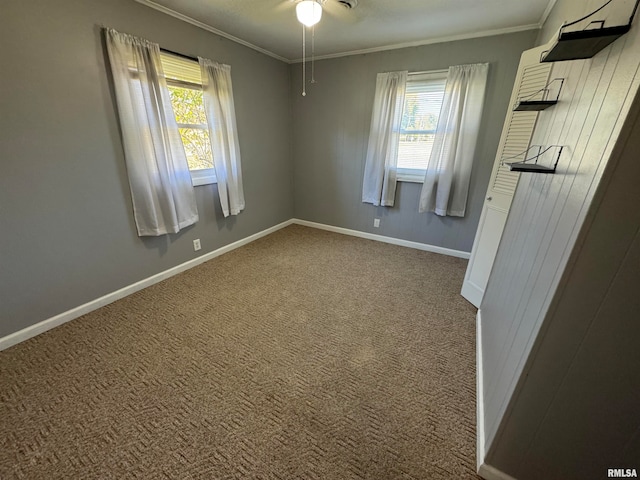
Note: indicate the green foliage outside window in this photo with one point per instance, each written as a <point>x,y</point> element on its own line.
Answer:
<point>416,117</point>
<point>188,108</point>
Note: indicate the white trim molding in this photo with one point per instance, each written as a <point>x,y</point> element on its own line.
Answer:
<point>490,473</point>
<point>209,28</point>
<point>382,48</point>
<point>381,238</point>
<point>485,471</point>
<point>430,41</point>
<point>547,12</point>
<point>64,317</point>
<point>479,394</point>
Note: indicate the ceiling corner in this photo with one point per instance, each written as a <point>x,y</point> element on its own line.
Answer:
<point>546,12</point>
<point>209,28</point>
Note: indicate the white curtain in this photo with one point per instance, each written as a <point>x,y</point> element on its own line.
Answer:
<point>446,184</point>
<point>379,185</point>
<point>223,133</point>
<point>159,178</point>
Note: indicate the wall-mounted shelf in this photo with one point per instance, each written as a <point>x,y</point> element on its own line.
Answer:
<point>534,105</point>
<point>527,104</point>
<point>585,43</point>
<point>530,167</point>
<point>535,167</point>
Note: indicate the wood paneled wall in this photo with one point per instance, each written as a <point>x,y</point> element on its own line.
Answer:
<point>544,227</point>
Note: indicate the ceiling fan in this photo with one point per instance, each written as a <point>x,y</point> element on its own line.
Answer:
<point>308,9</point>
<point>309,13</point>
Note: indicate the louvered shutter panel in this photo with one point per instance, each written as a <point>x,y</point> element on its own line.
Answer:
<point>520,126</point>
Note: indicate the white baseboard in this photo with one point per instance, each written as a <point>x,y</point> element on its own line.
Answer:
<point>485,471</point>
<point>479,394</point>
<point>490,473</point>
<point>382,238</point>
<point>48,324</point>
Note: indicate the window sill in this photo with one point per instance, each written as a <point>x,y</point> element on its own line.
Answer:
<point>410,179</point>
<point>410,175</point>
<point>203,177</point>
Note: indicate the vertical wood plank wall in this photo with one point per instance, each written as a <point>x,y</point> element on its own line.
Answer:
<point>548,211</point>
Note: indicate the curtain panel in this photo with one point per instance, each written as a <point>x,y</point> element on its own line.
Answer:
<point>223,133</point>
<point>446,183</point>
<point>159,179</point>
<point>379,183</point>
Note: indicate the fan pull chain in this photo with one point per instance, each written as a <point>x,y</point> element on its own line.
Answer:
<point>304,71</point>
<point>313,54</point>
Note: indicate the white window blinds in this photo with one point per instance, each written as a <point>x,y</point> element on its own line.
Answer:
<point>180,69</point>
<point>423,100</point>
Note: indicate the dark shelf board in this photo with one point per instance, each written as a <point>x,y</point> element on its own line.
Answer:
<point>530,167</point>
<point>534,105</point>
<point>583,43</point>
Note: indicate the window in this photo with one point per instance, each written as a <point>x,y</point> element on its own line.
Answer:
<point>422,103</point>
<point>185,86</point>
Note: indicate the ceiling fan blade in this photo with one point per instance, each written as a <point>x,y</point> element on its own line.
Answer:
<point>338,10</point>
<point>285,5</point>
<point>272,11</point>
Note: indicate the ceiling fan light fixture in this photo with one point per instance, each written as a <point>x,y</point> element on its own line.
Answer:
<point>309,12</point>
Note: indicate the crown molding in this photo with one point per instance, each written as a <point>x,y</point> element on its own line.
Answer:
<point>209,28</point>
<point>547,11</point>
<point>451,38</point>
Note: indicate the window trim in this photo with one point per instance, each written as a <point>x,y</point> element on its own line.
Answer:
<point>203,176</point>
<point>410,175</point>
<point>415,175</point>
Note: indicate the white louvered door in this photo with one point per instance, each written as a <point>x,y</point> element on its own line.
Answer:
<point>518,128</point>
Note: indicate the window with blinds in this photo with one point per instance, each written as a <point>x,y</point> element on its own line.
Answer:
<point>185,87</point>
<point>181,70</point>
<point>422,104</point>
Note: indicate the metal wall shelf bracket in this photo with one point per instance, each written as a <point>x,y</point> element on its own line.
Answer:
<point>527,104</point>
<point>534,167</point>
<point>585,43</point>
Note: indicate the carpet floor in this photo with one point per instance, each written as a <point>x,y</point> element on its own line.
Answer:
<point>303,355</point>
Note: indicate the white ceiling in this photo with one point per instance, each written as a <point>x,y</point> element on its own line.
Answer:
<point>271,25</point>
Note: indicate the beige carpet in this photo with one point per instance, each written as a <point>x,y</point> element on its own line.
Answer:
<point>304,355</point>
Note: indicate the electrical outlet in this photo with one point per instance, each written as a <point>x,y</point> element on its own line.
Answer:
<point>196,245</point>
<point>376,223</point>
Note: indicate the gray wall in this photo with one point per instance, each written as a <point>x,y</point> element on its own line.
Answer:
<point>559,316</point>
<point>331,130</point>
<point>68,235</point>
